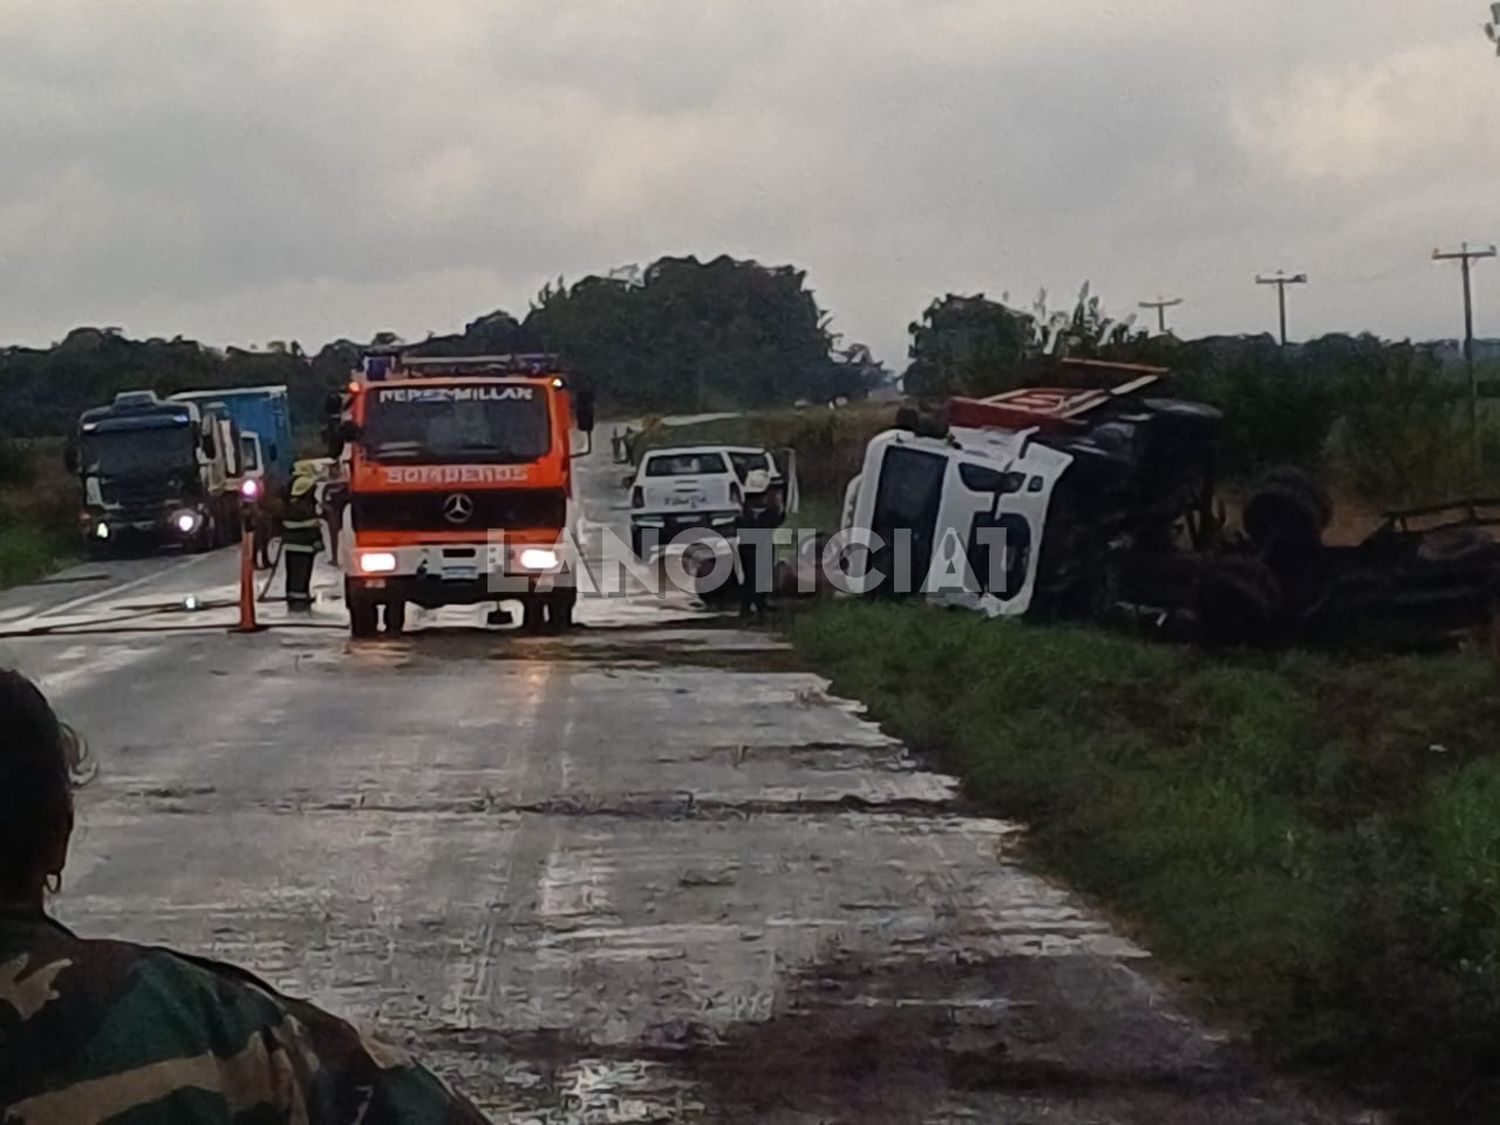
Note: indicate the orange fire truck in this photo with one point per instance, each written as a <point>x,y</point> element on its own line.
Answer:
<point>459,486</point>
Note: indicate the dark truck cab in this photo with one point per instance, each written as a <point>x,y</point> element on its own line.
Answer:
<point>154,473</point>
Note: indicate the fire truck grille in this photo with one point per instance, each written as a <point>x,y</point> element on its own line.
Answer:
<point>460,510</point>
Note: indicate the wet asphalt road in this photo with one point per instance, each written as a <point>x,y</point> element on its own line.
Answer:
<point>649,872</point>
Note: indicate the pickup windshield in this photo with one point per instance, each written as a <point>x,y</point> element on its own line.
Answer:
<point>686,465</point>
<point>138,452</point>
<point>484,425</point>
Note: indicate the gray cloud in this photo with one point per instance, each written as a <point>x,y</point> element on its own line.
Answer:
<point>315,168</point>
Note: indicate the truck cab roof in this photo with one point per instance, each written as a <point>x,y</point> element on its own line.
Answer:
<point>135,411</point>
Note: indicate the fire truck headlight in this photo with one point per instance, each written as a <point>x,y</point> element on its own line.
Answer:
<point>186,522</point>
<point>377,562</point>
<point>539,558</point>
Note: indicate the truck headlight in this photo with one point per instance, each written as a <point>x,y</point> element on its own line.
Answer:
<point>101,531</point>
<point>539,558</point>
<point>186,521</point>
<point>377,562</point>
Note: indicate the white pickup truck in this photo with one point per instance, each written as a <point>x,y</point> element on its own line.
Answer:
<point>691,488</point>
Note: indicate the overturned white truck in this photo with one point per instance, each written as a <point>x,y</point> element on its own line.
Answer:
<point>1093,496</point>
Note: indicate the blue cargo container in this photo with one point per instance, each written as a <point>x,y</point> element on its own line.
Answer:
<point>262,411</point>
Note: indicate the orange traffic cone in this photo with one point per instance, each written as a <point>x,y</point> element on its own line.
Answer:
<point>247,581</point>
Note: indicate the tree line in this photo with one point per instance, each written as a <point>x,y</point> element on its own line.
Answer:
<point>679,334</point>
<point>687,335</point>
<point>1388,417</point>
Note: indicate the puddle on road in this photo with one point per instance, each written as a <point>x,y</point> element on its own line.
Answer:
<point>598,1091</point>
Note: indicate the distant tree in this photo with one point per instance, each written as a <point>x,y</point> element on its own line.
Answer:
<point>968,345</point>
<point>972,345</point>
<point>1086,332</point>
<point>683,334</point>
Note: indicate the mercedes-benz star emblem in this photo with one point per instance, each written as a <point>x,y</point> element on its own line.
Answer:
<point>458,508</point>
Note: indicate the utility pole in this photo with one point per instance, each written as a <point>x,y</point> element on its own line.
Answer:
<point>1465,257</point>
<point>1161,305</point>
<point>1281,281</point>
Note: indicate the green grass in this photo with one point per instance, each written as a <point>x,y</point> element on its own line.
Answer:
<point>1313,842</point>
<point>38,509</point>
<point>29,551</point>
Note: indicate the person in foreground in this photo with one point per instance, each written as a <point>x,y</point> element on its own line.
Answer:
<point>99,1031</point>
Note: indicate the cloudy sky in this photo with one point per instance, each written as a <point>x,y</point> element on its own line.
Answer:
<point>254,169</point>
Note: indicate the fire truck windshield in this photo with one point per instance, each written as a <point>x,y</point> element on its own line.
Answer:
<point>483,424</point>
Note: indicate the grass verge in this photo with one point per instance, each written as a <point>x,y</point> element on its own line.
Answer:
<point>1314,842</point>
<point>38,508</point>
<point>29,551</point>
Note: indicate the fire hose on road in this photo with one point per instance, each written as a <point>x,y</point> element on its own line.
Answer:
<point>127,619</point>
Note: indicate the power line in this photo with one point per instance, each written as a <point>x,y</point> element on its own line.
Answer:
<point>1465,257</point>
<point>1281,281</point>
<point>1161,305</point>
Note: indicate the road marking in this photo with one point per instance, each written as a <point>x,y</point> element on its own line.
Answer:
<point>92,665</point>
<point>114,591</point>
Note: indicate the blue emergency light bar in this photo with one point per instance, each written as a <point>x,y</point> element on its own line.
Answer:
<point>379,365</point>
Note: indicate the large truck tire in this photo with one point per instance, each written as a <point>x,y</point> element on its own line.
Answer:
<point>1285,516</point>
<point>560,611</point>
<point>395,617</point>
<point>1301,479</point>
<point>363,613</point>
<point>533,615</point>
<point>207,537</point>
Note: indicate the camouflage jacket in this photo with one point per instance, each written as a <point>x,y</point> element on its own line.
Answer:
<point>102,1031</point>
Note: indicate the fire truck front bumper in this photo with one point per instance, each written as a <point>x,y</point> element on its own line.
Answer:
<point>459,574</point>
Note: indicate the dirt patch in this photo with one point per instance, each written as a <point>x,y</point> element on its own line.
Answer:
<point>947,1040</point>
<point>930,1039</point>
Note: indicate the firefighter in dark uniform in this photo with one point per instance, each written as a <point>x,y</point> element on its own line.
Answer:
<point>760,515</point>
<point>301,540</point>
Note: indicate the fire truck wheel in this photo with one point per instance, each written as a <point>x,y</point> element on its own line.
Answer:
<point>560,612</point>
<point>533,615</point>
<point>395,618</point>
<point>362,613</point>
